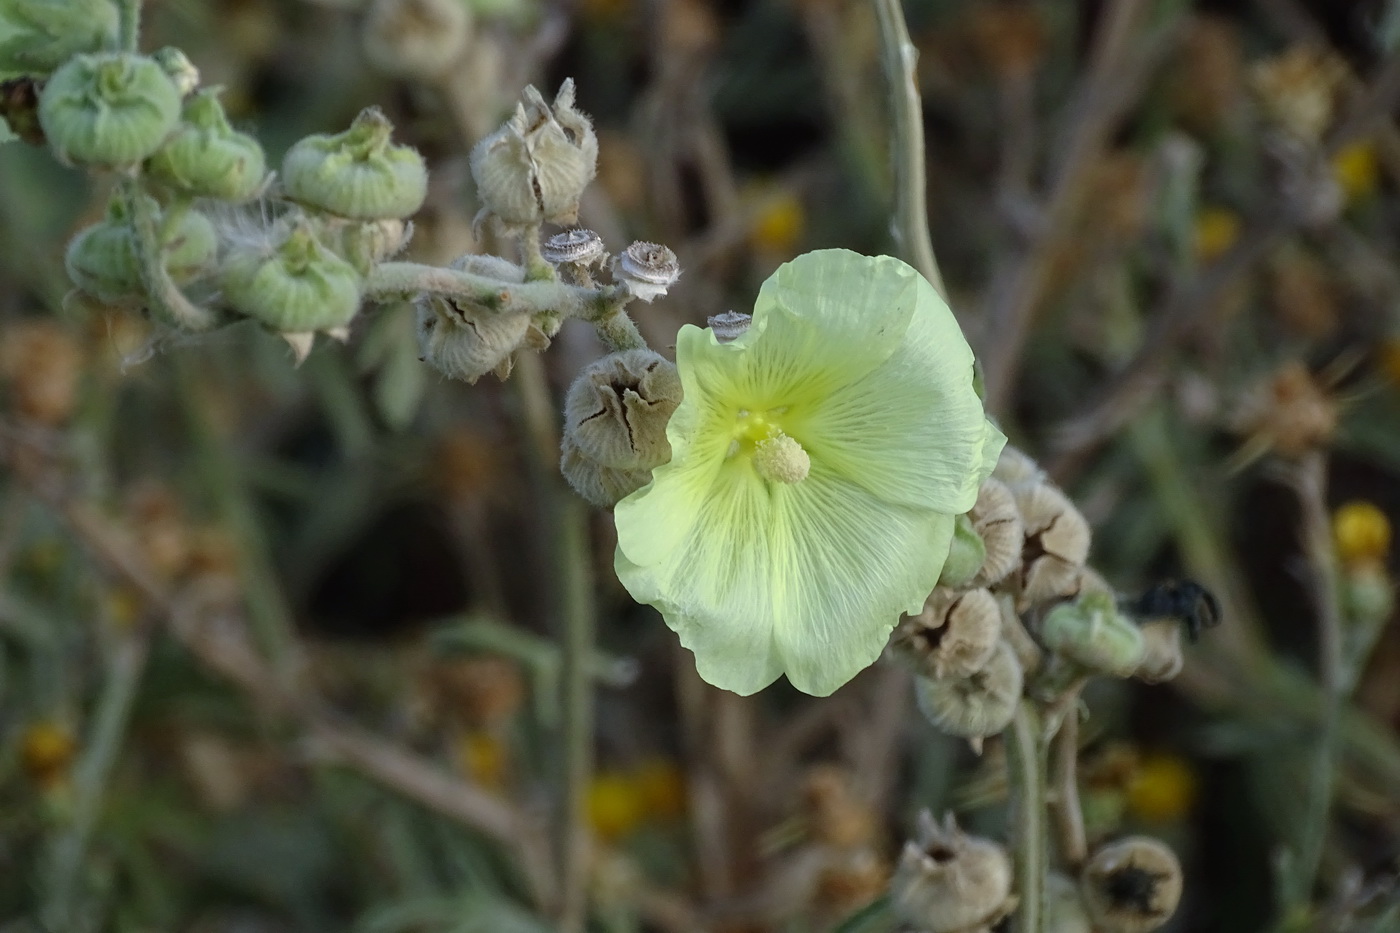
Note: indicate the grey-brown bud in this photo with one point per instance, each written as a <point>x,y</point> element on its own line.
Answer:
<point>647,270</point>
<point>463,342</point>
<point>1131,886</point>
<point>954,636</point>
<point>600,485</point>
<point>577,247</point>
<point>418,39</point>
<point>535,167</point>
<point>998,523</point>
<point>950,882</point>
<point>1161,657</point>
<point>976,706</point>
<point>1057,543</point>
<point>1014,468</point>
<point>616,410</point>
<point>729,325</point>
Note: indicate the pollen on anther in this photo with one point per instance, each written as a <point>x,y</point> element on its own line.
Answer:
<point>781,459</point>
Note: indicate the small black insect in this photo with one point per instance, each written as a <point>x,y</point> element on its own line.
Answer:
<point>1186,600</point>
<point>1131,887</point>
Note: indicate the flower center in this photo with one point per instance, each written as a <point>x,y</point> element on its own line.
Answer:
<point>775,456</point>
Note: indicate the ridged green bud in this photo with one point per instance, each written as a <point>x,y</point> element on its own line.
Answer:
<point>37,36</point>
<point>534,168</point>
<point>110,110</point>
<point>206,157</point>
<point>1093,634</point>
<point>101,259</point>
<point>177,65</point>
<point>965,556</point>
<point>357,174</point>
<point>302,287</point>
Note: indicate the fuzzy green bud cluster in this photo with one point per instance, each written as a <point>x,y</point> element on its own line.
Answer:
<point>37,36</point>
<point>102,259</point>
<point>108,110</point>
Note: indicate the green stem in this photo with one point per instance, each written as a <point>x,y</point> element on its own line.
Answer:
<point>1311,483</point>
<point>899,56</point>
<point>167,303</point>
<point>1026,761</point>
<point>91,776</point>
<point>579,632</point>
<point>129,34</point>
<point>398,281</point>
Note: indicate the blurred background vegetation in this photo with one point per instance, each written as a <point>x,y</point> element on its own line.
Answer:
<point>278,646</point>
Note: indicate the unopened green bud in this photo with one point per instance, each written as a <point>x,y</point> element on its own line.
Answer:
<point>359,173</point>
<point>965,556</point>
<point>101,260</point>
<point>302,287</point>
<point>418,39</point>
<point>37,36</point>
<point>617,409</point>
<point>207,158</point>
<point>109,110</point>
<point>1093,634</point>
<point>534,168</point>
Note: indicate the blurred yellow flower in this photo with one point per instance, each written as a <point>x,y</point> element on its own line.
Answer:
<point>1162,789</point>
<point>778,223</point>
<point>123,605</point>
<point>484,758</point>
<point>615,805</point>
<point>1361,533</point>
<point>46,751</point>
<point>1357,170</point>
<point>661,787</point>
<point>1217,229</point>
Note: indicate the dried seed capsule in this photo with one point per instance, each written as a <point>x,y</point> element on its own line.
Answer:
<point>617,409</point>
<point>955,635</point>
<point>1091,633</point>
<point>950,882</point>
<point>40,35</point>
<point>301,288</point>
<point>206,157</point>
<point>647,269</point>
<point>577,247</point>
<point>1131,886</point>
<point>600,485</point>
<point>998,523</point>
<point>976,706</point>
<point>534,168</point>
<point>110,110</point>
<point>464,342</point>
<point>357,174</point>
<point>729,326</point>
<point>1014,468</point>
<point>1057,543</point>
<point>418,39</point>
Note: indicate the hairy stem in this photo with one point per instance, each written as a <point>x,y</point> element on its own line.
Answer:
<point>576,590</point>
<point>1069,816</point>
<point>129,25</point>
<point>899,56</point>
<point>167,303</point>
<point>1026,774</point>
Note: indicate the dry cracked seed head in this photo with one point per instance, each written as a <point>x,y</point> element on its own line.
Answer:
<point>954,636</point>
<point>997,521</point>
<point>1131,886</point>
<point>617,409</point>
<point>950,882</point>
<point>1056,543</point>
